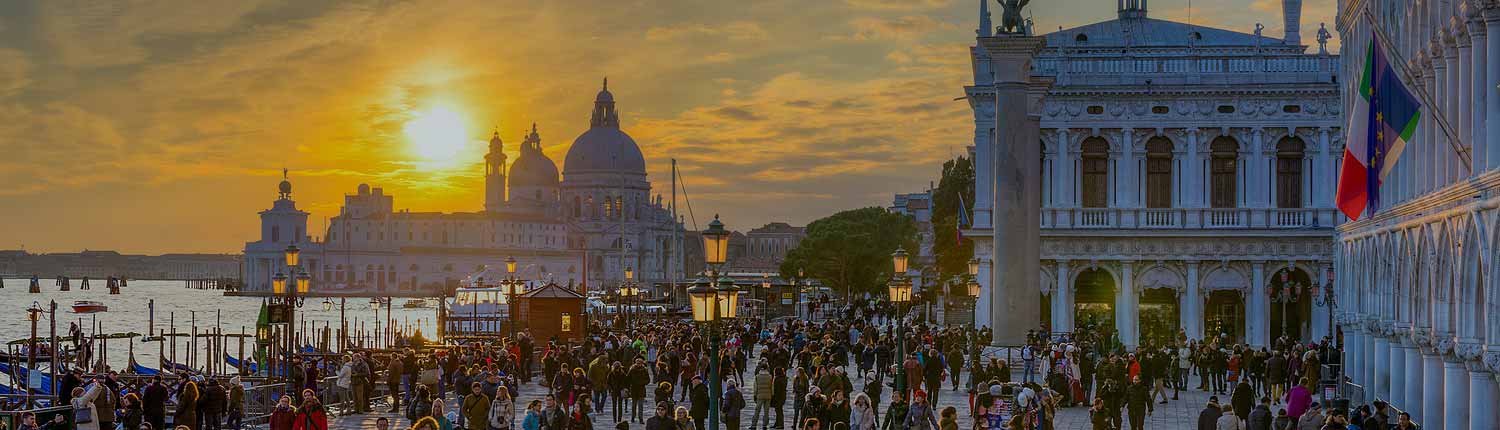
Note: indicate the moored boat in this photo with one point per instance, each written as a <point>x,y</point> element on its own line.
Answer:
<point>88,307</point>
<point>415,303</point>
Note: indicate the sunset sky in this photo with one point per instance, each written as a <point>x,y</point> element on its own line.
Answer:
<point>152,126</point>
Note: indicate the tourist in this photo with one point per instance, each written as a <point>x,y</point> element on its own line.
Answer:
<point>393,374</point>
<point>1311,419</point>
<point>283,414</point>
<point>1298,399</point>
<point>732,403</point>
<point>1208,419</point>
<point>581,419</point>
<point>1403,422</point>
<point>154,403</point>
<point>617,383</point>
<point>28,418</point>
<point>660,420</point>
<point>1138,400</point>
<point>636,380</point>
<point>862,416</point>
<point>699,402</point>
<point>85,413</point>
<point>502,410</point>
<point>475,410</point>
<point>382,423</point>
<point>1099,416</point>
<point>552,415</point>
<point>895,414</point>
<point>1242,399</point>
<point>1276,375</point>
<point>1229,421</point>
<point>130,414</point>
<point>919,415</point>
<point>949,420</point>
<point>1260,418</point>
<point>685,421</point>
<point>778,394</point>
<point>187,405</point>
<point>426,423</point>
<point>1285,421</point>
<point>310,415</point>
<point>439,413</point>
<point>838,410</point>
<point>212,405</point>
<point>533,418</point>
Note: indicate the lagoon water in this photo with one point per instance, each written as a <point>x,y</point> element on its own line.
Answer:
<point>176,305</point>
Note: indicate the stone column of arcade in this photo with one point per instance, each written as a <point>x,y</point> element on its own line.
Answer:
<point>1015,294</point>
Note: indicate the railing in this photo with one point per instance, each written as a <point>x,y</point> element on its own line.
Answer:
<point>1301,63</point>
<point>1186,218</point>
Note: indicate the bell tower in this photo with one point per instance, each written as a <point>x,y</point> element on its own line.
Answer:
<point>494,175</point>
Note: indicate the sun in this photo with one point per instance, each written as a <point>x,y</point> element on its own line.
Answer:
<point>438,134</point>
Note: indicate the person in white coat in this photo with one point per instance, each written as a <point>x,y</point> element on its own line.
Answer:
<point>1229,421</point>
<point>84,417</point>
<point>502,410</point>
<point>345,380</point>
<point>862,417</point>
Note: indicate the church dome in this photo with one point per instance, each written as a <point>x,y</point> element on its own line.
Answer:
<point>532,168</point>
<point>604,148</point>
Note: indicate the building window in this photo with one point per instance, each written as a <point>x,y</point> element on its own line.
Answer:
<point>1291,108</point>
<point>1289,172</point>
<point>1095,173</point>
<point>1224,160</point>
<point>1160,110</point>
<point>275,234</point>
<point>1081,38</point>
<point>1159,173</point>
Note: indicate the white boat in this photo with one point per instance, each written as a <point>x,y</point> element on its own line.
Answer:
<point>88,307</point>
<point>415,303</point>
<point>479,305</point>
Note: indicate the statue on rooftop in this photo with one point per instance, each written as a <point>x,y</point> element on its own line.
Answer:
<point>1010,20</point>
<point>1323,37</point>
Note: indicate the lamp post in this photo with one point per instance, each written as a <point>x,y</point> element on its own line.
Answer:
<point>900,292</point>
<point>765,306</point>
<point>628,293</point>
<point>512,289</point>
<point>714,298</point>
<point>973,285</point>
<point>291,298</point>
<point>1288,294</point>
<point>375,312</point>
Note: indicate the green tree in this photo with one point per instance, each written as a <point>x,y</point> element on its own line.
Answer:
<point>952,256</point>
<point>850,251</point>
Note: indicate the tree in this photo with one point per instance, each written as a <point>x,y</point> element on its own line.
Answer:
<point>952,256</point>
<point>850,251</point>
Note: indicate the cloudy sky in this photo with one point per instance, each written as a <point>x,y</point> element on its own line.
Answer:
<point>163,126</point>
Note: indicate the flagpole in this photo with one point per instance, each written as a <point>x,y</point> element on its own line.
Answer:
<point>1420,90</point>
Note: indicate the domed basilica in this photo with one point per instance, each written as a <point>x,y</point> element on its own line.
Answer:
<point>585,226</point>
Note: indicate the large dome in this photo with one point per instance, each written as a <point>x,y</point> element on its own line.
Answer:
<point>604,149</point>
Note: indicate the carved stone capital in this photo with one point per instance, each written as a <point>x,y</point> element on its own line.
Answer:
<point>1444,345</point>
<point>1492,360</point>
<point>1469,351</point>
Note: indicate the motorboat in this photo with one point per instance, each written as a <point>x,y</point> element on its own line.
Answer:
<point>415,303</point>
<point>88,307</point>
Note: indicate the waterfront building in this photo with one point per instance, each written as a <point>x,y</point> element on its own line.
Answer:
<point>1418,302</point>
<point>922,266</point>
<point>1187,178</point>
<point>585,227</point>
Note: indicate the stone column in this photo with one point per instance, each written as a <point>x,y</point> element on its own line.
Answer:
<point>1455,388</point>
<point>1192,304</point>
<point>1477,75</point>
<point>1432,388</point>
<point>1381,363</point>
<point>1194,171</point>
<point>1370,357</point>
<point>1062,300</point>
<point>1491,81</point>
<point>1258,317</point>
<point>982,303</point>
<point>983,189</point>
<point>1256,190</point>
<point>1483,395</point>
<point>1125,310</point>
<point>1062,178</point>
<point>1015,293</point>
<point>1412,360</point>
<point>1439,148</point>
<point>1462,89</point>
<point>1354,355</point>
<point>1328,179</point>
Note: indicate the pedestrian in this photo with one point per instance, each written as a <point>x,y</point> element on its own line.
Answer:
<point>310,415</point>
<point>764,384</point>
<point>684,420</point>
<point>949,420</point>
<point>1286,422</point>
<point>533,418</point>
<point>1138,400</point>
<point>862,416</point>
<point>661,420</point>
<point>475,409</point>
<point>1298,400</point>
<point>283,415</point>
<point>131,413</point>
<point>895,414</point>
<point>1099,416</point>
<point>1242,399</point>
<point>235,409</point>
<point>1312,419</point>
<point>502,410</point>
<point>187,406</point>
<point>1260,418</point>
<point>1208,419</point>
<point>919,415</point>
<point>1403,422</point>
<point>85,413</point>
<point>1229,421</point>
<point>732,404</point>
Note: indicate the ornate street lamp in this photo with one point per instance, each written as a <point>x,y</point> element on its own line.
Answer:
<point>713,301</point>
<point>327,305</point>
<point>900,292</point>
<point>510,266</point>
<point>292,254</point>
<point>278,284</point>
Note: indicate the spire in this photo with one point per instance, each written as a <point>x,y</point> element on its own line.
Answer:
<point>985,28</point>
<point>604,109</point>
<point>606,83</point>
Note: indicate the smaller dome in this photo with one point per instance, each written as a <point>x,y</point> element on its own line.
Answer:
<point>285,187</point>
<point>533,169</point>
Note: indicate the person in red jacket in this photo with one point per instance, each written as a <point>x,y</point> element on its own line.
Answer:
<point>282,416</point>
<point>310,416</point>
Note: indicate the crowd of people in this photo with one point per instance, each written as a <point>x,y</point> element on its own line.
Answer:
<point>846,372</point>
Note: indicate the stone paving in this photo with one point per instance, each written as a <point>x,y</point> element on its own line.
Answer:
<point>1176,414</point>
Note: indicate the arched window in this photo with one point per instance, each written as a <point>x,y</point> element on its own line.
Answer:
<point>1095,173</point>
<point>1289,172</point>
<point>1223,166</point>
<point>1159,173</point>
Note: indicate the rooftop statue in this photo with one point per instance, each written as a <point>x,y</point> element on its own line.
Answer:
<point>1010,20</point>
